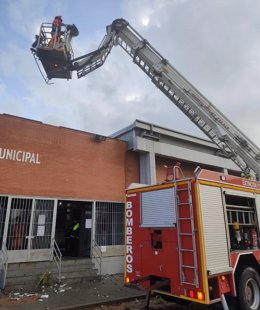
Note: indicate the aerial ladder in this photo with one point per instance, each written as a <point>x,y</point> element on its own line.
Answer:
<point>230,140</point>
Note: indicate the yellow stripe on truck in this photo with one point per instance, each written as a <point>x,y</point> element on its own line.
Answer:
<point>202,244</point>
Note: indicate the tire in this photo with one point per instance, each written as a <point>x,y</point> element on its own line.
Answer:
<point>248,289</point>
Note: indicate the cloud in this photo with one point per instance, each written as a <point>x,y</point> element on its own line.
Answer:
<point>213,44</point>
<point>22,14</point>
<point>2,88</point>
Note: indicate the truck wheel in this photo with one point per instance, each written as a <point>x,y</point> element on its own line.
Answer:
<point>249,289</point>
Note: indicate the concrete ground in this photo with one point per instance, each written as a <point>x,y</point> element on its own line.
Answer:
<point>70,296</point>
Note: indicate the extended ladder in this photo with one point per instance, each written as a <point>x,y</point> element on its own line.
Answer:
<point>186,235</point>
<point>230,140</point>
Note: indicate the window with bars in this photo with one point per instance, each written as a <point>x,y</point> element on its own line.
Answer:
<point>19,222</point>
<point>109,228</point>
<point>42,224</point>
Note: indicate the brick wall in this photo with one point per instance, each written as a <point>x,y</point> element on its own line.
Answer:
<point>187,168</point>
<point>72,163</point>
<point>132,168</point>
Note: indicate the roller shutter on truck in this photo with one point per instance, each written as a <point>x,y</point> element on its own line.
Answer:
<point>214,229</point>
<point>158,208</point>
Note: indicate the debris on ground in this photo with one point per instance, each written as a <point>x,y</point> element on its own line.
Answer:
<point>20,297</point>
<point>103,290</point>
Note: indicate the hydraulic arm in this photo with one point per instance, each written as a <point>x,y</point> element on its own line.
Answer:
<point>230,140</point>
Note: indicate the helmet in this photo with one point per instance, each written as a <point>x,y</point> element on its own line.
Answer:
<point>59,17</point>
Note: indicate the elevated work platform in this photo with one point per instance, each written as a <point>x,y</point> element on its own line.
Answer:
<point>52,48</point>
<point>54,61</point>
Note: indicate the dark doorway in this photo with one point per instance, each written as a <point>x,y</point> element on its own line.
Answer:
<point>73,228</point>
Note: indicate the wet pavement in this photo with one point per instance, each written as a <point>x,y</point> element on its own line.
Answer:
<point>70,296</point>
<point>107,293</point>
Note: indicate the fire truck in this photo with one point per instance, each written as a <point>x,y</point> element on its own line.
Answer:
<point>195,239</point>
<point>189,239</point>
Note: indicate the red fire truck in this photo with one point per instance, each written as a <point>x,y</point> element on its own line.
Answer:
<point>194,239</point>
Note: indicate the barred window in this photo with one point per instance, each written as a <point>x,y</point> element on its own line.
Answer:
<point>109,223</point>
<point>42,223</point>
<point>20,222</point>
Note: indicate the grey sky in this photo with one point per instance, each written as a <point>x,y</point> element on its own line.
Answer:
<point>214,44</point>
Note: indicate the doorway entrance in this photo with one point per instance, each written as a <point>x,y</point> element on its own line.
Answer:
<point>73,228</point>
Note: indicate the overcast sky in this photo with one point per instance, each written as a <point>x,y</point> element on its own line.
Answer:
<point>215,44</point>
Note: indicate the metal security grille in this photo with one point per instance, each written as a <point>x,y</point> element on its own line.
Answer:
<point>109,228</point>
<point>42,224</point>
<point>19,224</point>
<point>30,223</point>
<point>3,208</point>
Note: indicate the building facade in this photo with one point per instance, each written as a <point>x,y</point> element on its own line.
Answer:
<point>67,186</point>
<point>158,147</point>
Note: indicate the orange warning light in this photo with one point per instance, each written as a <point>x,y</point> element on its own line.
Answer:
<point>200,295</point>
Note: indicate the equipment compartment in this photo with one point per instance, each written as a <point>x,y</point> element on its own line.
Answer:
<point>242,222</point>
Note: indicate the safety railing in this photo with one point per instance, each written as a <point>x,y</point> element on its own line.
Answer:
<point>49,39</point>
<point>57,257</point>
<point>97,256</point>
<point>4,265</point>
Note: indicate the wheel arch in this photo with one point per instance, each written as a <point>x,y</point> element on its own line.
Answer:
<point>246,260</point>
<point>243,261</point>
